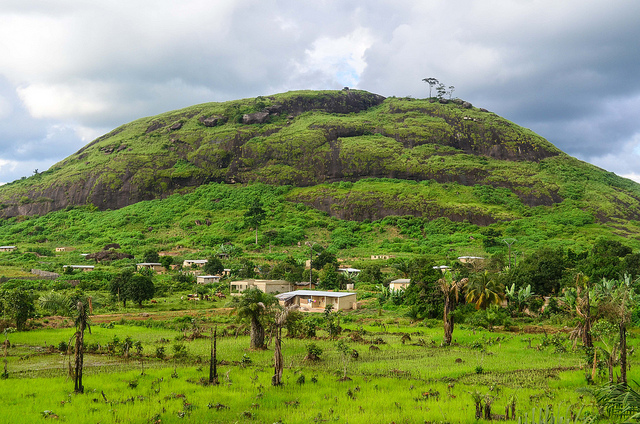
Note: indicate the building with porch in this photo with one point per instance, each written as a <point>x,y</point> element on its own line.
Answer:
<point>317,301</point>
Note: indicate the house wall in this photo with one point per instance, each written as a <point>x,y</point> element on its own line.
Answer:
<point>344,303</point>
<point>201,280</point>
<point>269,287</point>
<point>320,302</point>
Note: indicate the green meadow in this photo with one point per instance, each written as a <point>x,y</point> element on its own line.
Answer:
<point>396,371</point>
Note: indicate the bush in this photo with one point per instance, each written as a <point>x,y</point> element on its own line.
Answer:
<point>160,352</point>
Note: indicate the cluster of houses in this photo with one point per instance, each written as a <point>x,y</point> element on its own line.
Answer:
<point>287,293</point>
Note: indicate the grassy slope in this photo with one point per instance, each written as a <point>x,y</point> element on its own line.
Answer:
<point>403,137</point>
<point>171,223</point>
<point>497,364</point>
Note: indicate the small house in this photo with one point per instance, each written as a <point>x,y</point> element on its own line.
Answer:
<point>316,301</point>
<point>188,263</point>
<point>400,284</point>
<point>207,279</point>
<point>267,286</point>
<point>7,248</point>
<point>154,266</point>
<point>470,259</point>
<point>83,268</point>
<point>375,257</point>
<point>442,268</point>
<point>349,272</point>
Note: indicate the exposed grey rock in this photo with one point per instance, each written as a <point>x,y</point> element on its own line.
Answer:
<point>255,118</point>
<point>212,121</point>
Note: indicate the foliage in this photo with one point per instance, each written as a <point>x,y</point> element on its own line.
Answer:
<point>482,290</point>
<point>213,266</point>
<point>151,256</point>
<point>19,305</point>
<point>255,306</point>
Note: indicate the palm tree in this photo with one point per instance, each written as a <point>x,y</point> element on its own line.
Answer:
<point>582,300</point>
<point>451,289</point>
<point>255,305</point>
<point>618,300</point>
<point>403,266</point>
<point>77,307</point>
<point>82,323</point>
<point>484,291</point>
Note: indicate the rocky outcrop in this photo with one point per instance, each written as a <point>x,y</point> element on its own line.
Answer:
<point>281,141</point>
<point>255,118</point>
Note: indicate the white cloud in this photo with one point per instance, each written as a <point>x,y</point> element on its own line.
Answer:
<point>64,101</point>
<point>342,58</point>
<point>567,70</point>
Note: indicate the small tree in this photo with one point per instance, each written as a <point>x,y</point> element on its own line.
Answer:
<point>451,289</point>
<point>483,291</point>
<point>82,323</point>
<point>254,216</point>
<point>432,82</point>
<point>213,266</point>
<point>441,90</point>
<point>119,284</point>
<point>19,305</point>
<point>140,288</point>
<point>345,353</point>
<point>255,306</point>
<point>166,261</point>
<point>151,255</point>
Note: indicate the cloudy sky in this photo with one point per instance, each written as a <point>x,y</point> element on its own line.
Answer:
<point>71,70</point>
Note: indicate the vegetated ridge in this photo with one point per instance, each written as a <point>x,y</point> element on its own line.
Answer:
<point>489,168</point>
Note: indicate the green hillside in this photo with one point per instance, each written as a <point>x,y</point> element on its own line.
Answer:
<point>307,138</point>
<point>354,171</point>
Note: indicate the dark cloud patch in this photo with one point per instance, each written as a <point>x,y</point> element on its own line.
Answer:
<point>567,70</point>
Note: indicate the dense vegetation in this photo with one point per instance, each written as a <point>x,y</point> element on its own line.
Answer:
<point>475,165</point>
<point>542,254</point>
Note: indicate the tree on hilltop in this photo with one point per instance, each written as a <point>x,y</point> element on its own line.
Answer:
<point>432,83</point>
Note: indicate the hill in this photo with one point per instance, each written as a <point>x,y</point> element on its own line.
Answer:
<point>308,138</point>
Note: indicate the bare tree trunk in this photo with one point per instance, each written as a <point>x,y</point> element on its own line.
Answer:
<point>610,364</point>
<point>257,334</point>
<point>623,352</point>
<point>81,325</point>
<point>276,380</point>
<point>213,363</point>
<point>587,340</point>
<point>448,320</point>
<point>79,360</point>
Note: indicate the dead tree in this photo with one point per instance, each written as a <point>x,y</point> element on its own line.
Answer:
<point>281,319</point>
<point>213,363</point>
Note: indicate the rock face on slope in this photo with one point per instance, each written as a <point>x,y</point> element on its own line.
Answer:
<point>299,138</point>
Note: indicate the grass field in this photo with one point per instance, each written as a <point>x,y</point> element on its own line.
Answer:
<point>410,379</point>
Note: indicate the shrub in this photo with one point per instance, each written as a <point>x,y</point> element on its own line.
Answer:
<point>160,352</point>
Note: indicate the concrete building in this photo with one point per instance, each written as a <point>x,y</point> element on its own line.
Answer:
<point>207,279</point>
<point>267,286</point>
<point>400,284</point>
<point>83,268</point>
<point>187,263</point>
<point>316,301</point>
<point>154,266</point>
